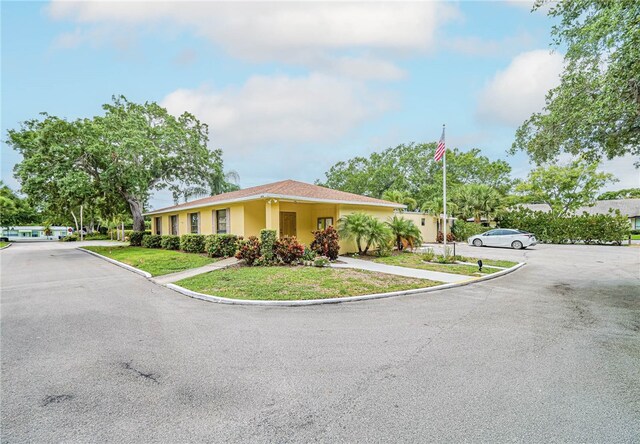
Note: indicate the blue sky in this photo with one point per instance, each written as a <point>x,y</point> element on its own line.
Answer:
<point>288,89</point>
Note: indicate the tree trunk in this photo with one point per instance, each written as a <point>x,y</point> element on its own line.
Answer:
<point>75,219</point>
<point>136,212</point>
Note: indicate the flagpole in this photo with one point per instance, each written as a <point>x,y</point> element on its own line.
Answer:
<point>444,196</point>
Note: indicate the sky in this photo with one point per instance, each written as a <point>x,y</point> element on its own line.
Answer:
<point>289,88</point>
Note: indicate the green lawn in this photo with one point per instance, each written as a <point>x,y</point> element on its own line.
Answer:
<point>635,237</point>
<point>413,260</point>
<point>155,261</point>
<point>297,283</point>
<point>3,244</point>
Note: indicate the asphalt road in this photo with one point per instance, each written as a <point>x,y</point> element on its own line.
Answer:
<point>93,353</point>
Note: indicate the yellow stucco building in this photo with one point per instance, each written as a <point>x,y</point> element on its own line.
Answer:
<point>291,208</point>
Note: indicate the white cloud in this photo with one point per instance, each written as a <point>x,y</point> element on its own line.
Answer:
<point>306,33</point>
<point>514,93</point>
<point>477,46</point>
<point>279,110</point>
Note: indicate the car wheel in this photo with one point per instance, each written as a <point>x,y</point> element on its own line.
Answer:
<point>516,245</point>
<point>477,243</point>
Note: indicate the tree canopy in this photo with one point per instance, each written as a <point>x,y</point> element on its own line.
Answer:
<point>595,111</point>
<point>626,193</point>
<point>411,171</point>
<point>115,160</point>
<point>564,188</point>
<point>15,210</point>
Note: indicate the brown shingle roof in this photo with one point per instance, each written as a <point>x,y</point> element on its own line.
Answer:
<point>290,189</point>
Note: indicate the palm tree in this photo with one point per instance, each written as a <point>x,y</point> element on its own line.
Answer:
<point>435,207</point>
<point>354,227</point>
<point>216,184</point>
<point>400,197</point>
<point>404,230</point>
<point>362,227</point>
<point>378,234</point>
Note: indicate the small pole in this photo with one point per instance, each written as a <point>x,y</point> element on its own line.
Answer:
<point>81,227</point>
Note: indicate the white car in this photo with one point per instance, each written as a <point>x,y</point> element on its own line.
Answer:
<point>502,237</point>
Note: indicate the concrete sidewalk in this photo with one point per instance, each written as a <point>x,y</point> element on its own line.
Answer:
<point>400,271</point>
<point>174,277</point>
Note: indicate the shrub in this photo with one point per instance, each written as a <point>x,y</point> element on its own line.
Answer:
<point>70,238</point>
<point>96,236</point>
<point>321,261</point>
<point>221,245</point>
<point>192,243</point>
<point>450,237</point>
<point>428,255</point>
<point>588,228</point>
<point>267,245</point>
<point>384,249</point>
<point>405,232</point>
<point>249,250</point>
<point>135,238</point>
<point>309,254</point>
<point>170,242</point>
<point>635,232</point>
<point>464,230</point>
<point>152,241</point>
<point>326,243</point>
<point>288,250</point>
<point>103,230</point>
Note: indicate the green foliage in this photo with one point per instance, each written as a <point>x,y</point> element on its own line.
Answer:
<point>96,236</point>
<point>70,238</point>
<point>627,193</point>
<point>221,245</point>
<point>477,201</point>
<point>326,243</point>
<point>321,261</point>
<point>113,161</point>
<point>464,230</point>
<point>15,210</point>
<point>594,111</point>
<point>249,250</point>
<point>152,241</point>
<point>170,242</point>
<point>309,254</point>
<point>362,227</point>
<point>401,197</point>
<point>564,188</point>
<point>288,250</point>
<point>587,228</point>
<point>411,170</point>
<point>405,232</point>
<point>267,245</point>
<point>135,238</point>
<point>428,255</point>
<point>192,243</point>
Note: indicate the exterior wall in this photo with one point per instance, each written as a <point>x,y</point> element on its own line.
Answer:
<point>382,213</point>
<point>248,218</point>
<point>429,230</point>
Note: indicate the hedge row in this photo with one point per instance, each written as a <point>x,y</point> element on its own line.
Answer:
<point>215,245</point>
<point>587,228</point>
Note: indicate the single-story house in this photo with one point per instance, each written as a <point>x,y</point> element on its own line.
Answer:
<point>627,207</point>
<point>290,207</point>
<point>33,232</point>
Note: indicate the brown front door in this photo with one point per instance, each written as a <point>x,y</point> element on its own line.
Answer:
<point>287,224</point>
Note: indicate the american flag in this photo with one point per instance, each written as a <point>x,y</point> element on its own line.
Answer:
<point>440,149</point>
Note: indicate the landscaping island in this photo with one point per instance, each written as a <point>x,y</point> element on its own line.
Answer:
<point>289,283</point>
<point>155,261</point>
<point>422,262</point>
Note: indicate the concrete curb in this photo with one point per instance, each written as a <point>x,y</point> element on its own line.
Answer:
<point>6,246</point>
<point>366,297</point>
<point>119,264</point>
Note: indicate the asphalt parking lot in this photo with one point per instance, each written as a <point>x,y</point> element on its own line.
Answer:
<point>93,353</point>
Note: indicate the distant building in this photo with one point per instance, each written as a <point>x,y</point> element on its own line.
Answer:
<point>627,207</point>
<point>34,232</point>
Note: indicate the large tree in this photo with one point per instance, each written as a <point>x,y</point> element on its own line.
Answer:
<point>595,111</point>
<point>120,156</point>
<point>564,188</point>
<point>15,210</point>
<point>411,170</point>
